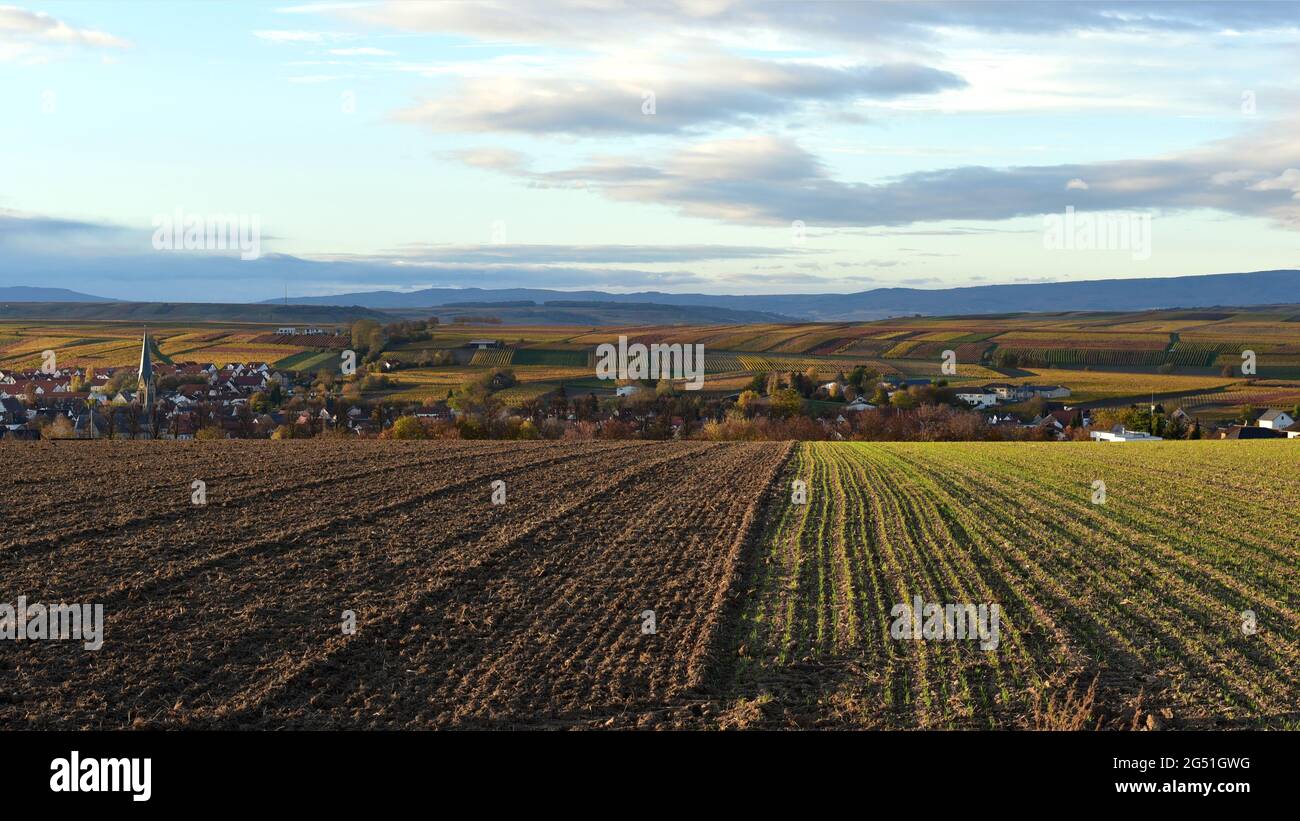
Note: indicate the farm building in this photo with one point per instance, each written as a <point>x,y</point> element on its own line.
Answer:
<point>483,344</point>
<point>1003,390</point>
<point>1124,435</point>
<point>900,382</point>
<point>978,398</point>
<point>1046,391</point>
<point>1275,419</point>
<point>1016,393</point>
<point>1245,432</point>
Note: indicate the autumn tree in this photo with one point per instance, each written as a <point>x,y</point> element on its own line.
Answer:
<point>786,404</point>
<point>407,427</point>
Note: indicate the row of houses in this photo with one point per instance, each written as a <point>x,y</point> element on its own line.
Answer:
<point>236,379</point>
<point>34,399</point>
<point>994,393</point>
<point>171,420</point>
<point>1273,423</point>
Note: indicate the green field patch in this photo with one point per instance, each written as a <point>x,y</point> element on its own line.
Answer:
<point>551,357</point>
<point>310,361</point>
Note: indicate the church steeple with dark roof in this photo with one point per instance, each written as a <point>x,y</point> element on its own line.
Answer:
<point>146,386</point>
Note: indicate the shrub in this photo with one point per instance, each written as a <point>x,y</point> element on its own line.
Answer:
<point>407,427</point>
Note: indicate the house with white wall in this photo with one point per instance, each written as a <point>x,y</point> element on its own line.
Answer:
<point>1124,435</point>
<point>1276,419</point>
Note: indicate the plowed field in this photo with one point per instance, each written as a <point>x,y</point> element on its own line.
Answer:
<point>469,614</point>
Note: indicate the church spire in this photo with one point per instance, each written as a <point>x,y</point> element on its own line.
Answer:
<point>146,373</point>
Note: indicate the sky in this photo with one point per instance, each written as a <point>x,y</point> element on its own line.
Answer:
<point>707,146</point>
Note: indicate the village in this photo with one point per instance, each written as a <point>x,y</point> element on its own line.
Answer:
<point>252,400</point>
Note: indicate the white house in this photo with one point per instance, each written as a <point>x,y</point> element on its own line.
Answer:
<point>288,331</point>
<point>978,398</point>
<point>1004,390</point>
<point>858,405</point>
<point>627,390</point>
<point>1276,419</point>
<point>1046,391</point>
<point>1124,435</point>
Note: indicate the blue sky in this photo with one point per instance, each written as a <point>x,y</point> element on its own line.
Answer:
<point>791,147</point>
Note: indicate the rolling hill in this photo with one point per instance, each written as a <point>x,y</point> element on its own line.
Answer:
<point>188,312</point>
<point>1254,288</point>
<point>26,293</point>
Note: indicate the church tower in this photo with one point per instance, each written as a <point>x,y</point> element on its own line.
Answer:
<point>146,383</point>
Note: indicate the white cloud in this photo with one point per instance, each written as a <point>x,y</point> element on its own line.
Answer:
<point>773,181</point>
<point>624,95</point>
<point>1288,180</point>
<point>1014,57</point>
<point>30,34</point>
<point>783,25</point>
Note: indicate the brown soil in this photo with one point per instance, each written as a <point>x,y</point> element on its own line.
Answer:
<point>229,615</point>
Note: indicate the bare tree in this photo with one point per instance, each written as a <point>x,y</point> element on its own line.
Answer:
<point>133,419</point>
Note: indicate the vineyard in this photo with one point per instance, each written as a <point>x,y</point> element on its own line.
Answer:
<point>332,342</point>
<point>1142,341</point>
<point>1107,357</point>
<point>521,394</point>
<point>551,357</point>
<point>1258,397</point>
<point>652,585</point>
<point>764,363</point>
<point>1170,354</point>
<point>1088,386</point>
<point>110,345</point>
<point>310,361</point>
<point>491,358</point>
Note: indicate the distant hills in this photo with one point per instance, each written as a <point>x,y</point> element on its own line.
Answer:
<point>595,312</point>
<point>540,306</point>
<point>25,293</point>
<point>1255,288</point>
<point>189,312</point>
